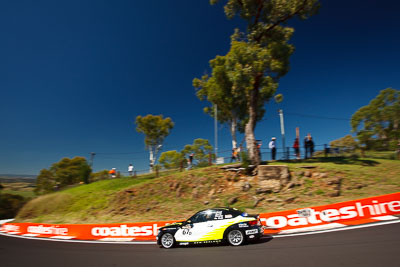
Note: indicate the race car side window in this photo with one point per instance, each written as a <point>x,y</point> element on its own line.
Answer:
<point>203,216</point>
<point>198,217</point>
<point>210,215</point>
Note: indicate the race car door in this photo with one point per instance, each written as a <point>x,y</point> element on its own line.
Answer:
<point>196,228</point>
<point>218,223</point>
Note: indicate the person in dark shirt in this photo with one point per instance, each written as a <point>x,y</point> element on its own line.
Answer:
<point>311,146</point>
<point>306,146</point>
<point>272,146</point>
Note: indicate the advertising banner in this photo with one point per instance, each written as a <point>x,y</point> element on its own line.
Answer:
<point>344,213</point>
<point>120,231</point>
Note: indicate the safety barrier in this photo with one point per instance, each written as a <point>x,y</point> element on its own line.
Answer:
<point>354,212</point>
<point>307,219</point>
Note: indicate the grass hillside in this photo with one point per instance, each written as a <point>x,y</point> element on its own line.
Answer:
<point>178,195</point>
<point>19,188</point>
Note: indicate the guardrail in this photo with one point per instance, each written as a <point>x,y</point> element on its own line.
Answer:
<point>289,153</point>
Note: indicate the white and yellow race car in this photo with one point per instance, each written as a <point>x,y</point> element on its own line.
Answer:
<point>212,226</point>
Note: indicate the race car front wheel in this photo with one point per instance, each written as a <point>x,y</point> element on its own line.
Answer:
<point>235,238</point>
<point>167,240</point>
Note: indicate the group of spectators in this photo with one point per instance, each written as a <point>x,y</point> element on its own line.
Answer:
<point>308,147</point>
<point>235,156</point>
<point>114,173</point>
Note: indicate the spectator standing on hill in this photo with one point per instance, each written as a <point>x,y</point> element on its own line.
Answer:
<point>113,172</point>
<point>311,146</point>
<point>130,170</point>
<point>238,150</point>
<point>234,155</point>
<point>296,147</point>
<point>272,146</point>
<point>306,146</point>
<point>190,161</point>
<point>258,144</point>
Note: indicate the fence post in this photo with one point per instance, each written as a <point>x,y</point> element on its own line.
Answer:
<point>209,159</point>
<point>134,174</point>
<point>287,153</point>
<point>325,150</point>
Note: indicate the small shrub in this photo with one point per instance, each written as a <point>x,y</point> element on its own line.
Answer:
<point>10,205</point>
<point>202,164</point>
<point>245,159</point>
<point>98,176</point>
<point>308,183</point>
<point>319,192</point>
<point>354,156</point>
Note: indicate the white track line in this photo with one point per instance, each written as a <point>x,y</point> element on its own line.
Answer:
<point>339,229</point>
<point>126,239</point>
<point>32,235</point>
<point>313,228</point>
<point>153,242</point>
<point>62,237</point>
<point>385,218</point>
<point>5,221</point>
<point>82,241</point>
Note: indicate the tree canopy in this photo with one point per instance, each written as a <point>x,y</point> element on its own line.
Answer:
<point>156,129</point>
<point>377,124</point>
<point>218,90</point>
<point>10,204</point>
<point>201,149</point>
<point>65,172</point>
<point>346,141</point>
<point>172,159</point>
<point>259,56</point>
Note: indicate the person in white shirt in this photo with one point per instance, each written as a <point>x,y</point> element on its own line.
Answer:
<point>272,146</point>
<point>130,170</point>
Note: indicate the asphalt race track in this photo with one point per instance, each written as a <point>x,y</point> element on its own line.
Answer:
<point>372,246</point>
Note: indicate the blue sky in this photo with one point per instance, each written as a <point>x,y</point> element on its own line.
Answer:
<point>75,74</point>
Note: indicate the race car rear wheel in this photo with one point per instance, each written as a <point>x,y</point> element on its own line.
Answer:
<point>235,238</point>
<point>167,240</point>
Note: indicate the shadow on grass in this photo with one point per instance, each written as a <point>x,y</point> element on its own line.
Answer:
<point>336,160</point>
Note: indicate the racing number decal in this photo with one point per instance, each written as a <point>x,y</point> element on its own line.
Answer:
<point>186,232</point>
<point>218,215</point>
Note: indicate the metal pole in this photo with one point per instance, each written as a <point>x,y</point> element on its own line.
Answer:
<point>216,131</point>
<point>283,133</point>
<point>92,154</point>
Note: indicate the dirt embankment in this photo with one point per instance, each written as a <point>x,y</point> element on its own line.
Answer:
<point>179,195</point>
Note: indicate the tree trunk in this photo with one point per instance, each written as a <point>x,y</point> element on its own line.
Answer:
<point>233,132</point>
<point>251,142</point>
<point>151,158</point>
<point>153,149</point>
